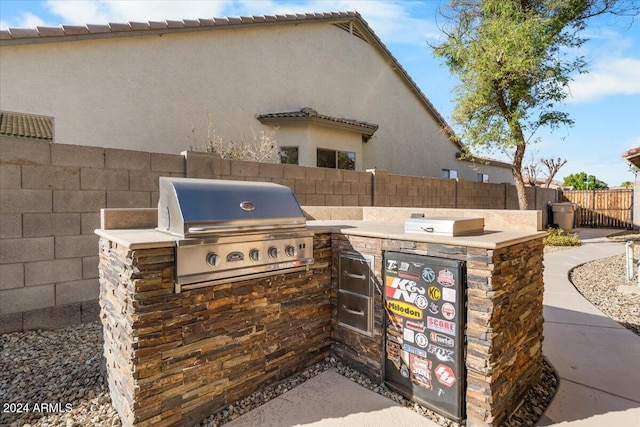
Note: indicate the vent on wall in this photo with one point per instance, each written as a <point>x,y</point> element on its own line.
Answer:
<point>351,29</point>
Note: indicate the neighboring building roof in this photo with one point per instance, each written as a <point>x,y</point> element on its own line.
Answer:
<point>309,115</point>
<point>633,156</point>
<point>26,126</point>
<point>483,160</point>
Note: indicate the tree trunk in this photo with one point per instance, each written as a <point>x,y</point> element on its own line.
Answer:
<point>517,177</point>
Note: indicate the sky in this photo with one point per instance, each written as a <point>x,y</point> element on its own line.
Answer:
<point>604,104</point>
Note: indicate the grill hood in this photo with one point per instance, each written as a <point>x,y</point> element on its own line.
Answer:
<point>189,207</point>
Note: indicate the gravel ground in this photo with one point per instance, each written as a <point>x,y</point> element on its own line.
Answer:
<point>602,281</point>
<point>69,382</point>
<point>61,368</point>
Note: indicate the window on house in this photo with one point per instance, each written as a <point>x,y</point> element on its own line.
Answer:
<point>336,159</point>
<point>289,155</point>
<point>449,174</point>
<point>483,177</point>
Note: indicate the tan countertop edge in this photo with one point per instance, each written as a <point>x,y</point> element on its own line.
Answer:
<point>151,238</point>
<point>489,240</point>
<point>139,238</point>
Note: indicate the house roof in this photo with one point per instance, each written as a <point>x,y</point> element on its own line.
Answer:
<point>309,115</point>
<point>633,156</point>
<point>348,21</point>
<point>26,126</point>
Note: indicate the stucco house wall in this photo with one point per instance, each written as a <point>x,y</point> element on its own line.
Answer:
<point>149,91</point>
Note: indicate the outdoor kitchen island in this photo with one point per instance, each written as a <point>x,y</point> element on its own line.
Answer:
<point>174,358</point>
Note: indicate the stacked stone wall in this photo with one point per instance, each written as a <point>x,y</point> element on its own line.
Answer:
<point>173,359</point>
<point>504,321</point>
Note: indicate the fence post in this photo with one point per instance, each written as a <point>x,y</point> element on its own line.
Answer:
<point>379,193</point>
<point>455,193</point>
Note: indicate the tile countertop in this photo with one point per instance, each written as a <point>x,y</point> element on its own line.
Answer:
<point>151,238</point>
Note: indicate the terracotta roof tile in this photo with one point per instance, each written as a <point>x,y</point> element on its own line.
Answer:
<point>206,22</point>
<point>118,27</point>
<point>23,33</point>
<point>50,31</point>
<point>26,126</point>
<point>157,25</point>
<point>98,29</point>
<point>191,23</point>
<point>310,113</point>
<point>74,30</point>
<point>174,24</point>
<point>140,26</point>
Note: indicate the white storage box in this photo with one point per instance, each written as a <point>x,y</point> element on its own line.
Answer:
<point>445,226</point>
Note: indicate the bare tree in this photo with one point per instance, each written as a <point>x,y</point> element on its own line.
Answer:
<point>259,147</point>
<point>553,166</point>
<point>531,171</point>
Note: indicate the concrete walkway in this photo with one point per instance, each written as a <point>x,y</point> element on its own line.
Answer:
<point>597,360</point>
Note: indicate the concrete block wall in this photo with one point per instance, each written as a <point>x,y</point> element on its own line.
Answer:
<point>51,195</point>
<point>411,191</point>
<point>50,198</point>
<point>312,186</point>
<point>477,195</point>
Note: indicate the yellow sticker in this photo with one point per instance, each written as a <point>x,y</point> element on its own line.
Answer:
<point>434,293</point>
<point>405,310</point>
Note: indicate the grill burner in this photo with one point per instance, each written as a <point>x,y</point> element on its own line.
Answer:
<point>232,230</point>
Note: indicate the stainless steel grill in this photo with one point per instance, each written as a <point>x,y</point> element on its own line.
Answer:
<point>232,230</point>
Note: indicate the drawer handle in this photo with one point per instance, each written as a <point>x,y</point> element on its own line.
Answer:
<point>354,276</point>
<point>354,312</point>
<point>428,229</point>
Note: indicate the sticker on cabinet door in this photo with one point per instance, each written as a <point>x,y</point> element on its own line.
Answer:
<point>445,278</point>
<point>412,350</point>
<point>445,375</point>
<point>421,372</point>
<point>449,294</point>
<point>405,310</point>
<point>448,311</point>
<point>393,354</point>
<point>440,325</point>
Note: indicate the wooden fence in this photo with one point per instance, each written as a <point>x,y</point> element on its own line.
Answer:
<point>602,208</point>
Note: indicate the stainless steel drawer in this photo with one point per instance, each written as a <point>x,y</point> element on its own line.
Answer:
<point>355,274</point>
<point>355,312</point>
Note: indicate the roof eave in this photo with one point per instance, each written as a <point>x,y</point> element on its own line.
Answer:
<point>319,121</point>
<point>483,160</point>
<point>632,156</point>
<point>28,36</point>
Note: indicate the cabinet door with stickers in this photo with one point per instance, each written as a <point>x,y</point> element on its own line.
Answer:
<point>424,300</point>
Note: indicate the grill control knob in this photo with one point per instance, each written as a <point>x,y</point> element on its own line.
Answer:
<point>213,259</point>
<point>290,250</point>
<point>273,252</point>
<point>254,254</point>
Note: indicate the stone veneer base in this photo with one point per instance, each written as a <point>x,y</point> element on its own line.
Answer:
<point>172,359</point>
